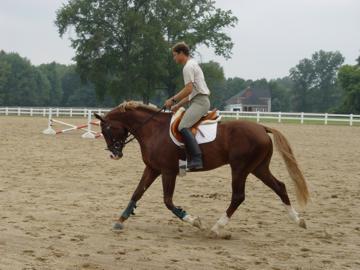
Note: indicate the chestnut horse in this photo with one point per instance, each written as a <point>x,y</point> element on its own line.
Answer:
<point>244,145</point>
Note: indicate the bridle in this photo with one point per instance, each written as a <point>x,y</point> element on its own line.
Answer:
<point>117,145</point>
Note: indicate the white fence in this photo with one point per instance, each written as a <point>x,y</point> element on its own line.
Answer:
<point>319,118</point>
<point>291,117</point>
<point>58,112</point>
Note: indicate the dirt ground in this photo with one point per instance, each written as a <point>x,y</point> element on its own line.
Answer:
<point>60,194</point>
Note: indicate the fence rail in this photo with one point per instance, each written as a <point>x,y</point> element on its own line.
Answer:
<point>42,111</point>
<point>321,118</point>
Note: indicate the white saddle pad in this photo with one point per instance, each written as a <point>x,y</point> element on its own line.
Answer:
<point>206,133</point>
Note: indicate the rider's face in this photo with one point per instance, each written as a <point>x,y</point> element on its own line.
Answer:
<point>179,58</point>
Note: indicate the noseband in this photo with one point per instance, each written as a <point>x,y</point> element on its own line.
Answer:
<point>116,145</point>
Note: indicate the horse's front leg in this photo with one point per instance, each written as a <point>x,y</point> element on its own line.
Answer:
<point>168,181</point>
<point>148,177</point>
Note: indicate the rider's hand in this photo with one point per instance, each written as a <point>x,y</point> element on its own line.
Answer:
<point>169,103</point>
<point>175,108</point>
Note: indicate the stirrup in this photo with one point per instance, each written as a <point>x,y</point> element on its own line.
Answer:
<point>195,166</point>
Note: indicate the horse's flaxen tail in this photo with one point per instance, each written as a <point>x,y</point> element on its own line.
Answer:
<point>283,146</point>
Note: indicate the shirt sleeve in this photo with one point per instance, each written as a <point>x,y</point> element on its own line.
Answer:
<point>189,74</point>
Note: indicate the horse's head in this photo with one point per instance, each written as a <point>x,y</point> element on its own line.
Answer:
<point>115,135</point>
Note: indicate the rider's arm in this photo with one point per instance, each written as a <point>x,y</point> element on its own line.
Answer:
<point>182,102</point>
<point>184,93</point>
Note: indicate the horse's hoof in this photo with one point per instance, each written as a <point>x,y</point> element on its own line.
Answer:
<point>225,235</point>
<point>220,235</point>
<point>118,226</point>
<point>197,223</point>
<point>302,223</point>
<point>213,235</point>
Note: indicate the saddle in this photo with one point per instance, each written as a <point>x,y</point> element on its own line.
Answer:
<point>210,118</point>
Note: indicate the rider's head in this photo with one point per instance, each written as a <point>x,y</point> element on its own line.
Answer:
<point>181,52</point>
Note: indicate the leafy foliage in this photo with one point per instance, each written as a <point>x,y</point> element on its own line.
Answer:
<point>122,46</point>
<point>215,80</point>
<point>349,79</point>
<point>21,83</point>
<point>314,82</point>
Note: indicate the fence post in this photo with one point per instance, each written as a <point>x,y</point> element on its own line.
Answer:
<point>31,111</point>
<point>71,112</point>
<point>19,111</point>
<point>57,112</point>
<point>237,115</point>
<point>326,118</point>
<point>44,112</point>
<point>6,111</point>
<point>302,118</point>
<point>88,134</point>
<point>258,116</point>
<point>279,117</point>
<point>351,119</point>
<point>49,130</point>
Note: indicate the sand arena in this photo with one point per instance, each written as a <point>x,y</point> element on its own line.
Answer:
<point>59,195</point>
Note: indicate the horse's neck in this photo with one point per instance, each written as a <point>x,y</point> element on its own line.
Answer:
<point>142,122</point>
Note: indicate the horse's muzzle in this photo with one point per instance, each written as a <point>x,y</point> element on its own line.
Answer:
<point>116,156</point>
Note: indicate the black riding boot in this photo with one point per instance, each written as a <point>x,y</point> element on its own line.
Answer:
<point>193,150</point>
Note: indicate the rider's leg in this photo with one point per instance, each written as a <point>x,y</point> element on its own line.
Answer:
<point>199,106</point>
<point>193,150</point>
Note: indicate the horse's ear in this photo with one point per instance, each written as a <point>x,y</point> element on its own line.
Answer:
<point>99,117</point>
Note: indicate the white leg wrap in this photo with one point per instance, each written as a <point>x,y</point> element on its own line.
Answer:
<point>292,213</point>
<point>189,218</point>
<point>195,221</point>
<point>220,223</point>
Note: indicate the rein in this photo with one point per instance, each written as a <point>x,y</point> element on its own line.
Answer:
<point>127,140</point>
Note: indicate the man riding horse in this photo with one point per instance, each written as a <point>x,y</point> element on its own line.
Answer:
<point>197,94</point>
<point>244,145</point>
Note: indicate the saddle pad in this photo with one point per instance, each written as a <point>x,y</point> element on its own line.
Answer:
<point>206,130</point>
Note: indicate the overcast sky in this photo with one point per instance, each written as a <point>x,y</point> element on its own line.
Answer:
<point>271,36</point>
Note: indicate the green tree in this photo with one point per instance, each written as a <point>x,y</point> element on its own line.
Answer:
<point>326,94</point>
<point>349,79</point>
<point>4,74</point>
<point>303,80</point>
<point>197,22</point>
<point>280,90</point>
<point>76,92</point>
<point>215,80</point>
<point>51,71</point>
<point>235,86</point>
<point>151,54</point>
<point>314,82</point>
<point>24,84</point>
<point>122,46</point>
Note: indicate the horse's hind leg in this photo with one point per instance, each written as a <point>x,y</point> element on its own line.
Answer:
<point>263,173</point>
<point>238,196</point>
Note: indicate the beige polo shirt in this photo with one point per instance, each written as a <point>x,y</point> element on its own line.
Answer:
<point>192,73</point>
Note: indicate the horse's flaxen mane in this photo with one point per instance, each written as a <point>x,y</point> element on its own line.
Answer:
<point>132,105</point>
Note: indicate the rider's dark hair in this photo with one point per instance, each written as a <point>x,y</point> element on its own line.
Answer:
<point>181,47</point>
